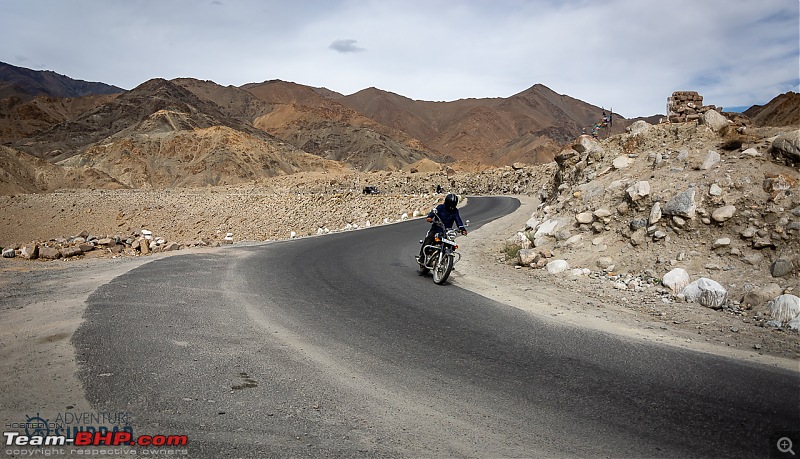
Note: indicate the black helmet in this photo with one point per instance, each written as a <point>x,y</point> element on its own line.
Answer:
<point>450,201</point>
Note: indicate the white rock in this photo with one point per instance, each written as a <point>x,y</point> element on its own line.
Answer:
<point>584,217</point>
<point>639,127</point>
<point>715,190</point>
<point>655,213</point>
<point>532,223</point>
<point>291,235</point>
<point>621,162</point>
<point>602,213</point>
<point>525,257</point>
<point>722,242</point>
<point>521,240</point>
<point>557,266</point>
<point>723,213</point>
<point>616,184</point>
<point>711,160</point>
<point>706,292</point>
<point>751,152</point>
<point>147,234</point>
<point>638,190</point>
<point>605,263</point>
<point>547,228</point>
<point>714,120</point>
<point>404,216</point>
<point>676,279</point>
<point>784,308</point>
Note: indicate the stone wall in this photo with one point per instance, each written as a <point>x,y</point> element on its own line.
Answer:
<point>686,106</point>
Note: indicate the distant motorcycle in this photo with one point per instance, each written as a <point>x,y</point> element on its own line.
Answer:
<point>441,255</point>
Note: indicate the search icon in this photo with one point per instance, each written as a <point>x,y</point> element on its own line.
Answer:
<point>785,445</point>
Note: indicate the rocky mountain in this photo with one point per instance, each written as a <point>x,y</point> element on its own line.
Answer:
<point>313,121</point>
<point>528,127</point>
<point>162,135</point>
<point>23,173</point>
<point>26,84</point>
<point>20,119</point>
<point>783,110</point>
<point>129,114</point>
<point>188,132</point>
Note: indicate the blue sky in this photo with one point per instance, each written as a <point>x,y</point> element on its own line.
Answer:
<point>626,54</point>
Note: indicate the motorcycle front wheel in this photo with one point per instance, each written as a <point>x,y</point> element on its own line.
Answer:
<point>441,271</point>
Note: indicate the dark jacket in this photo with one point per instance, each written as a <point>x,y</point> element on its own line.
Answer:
<point>448,218</point>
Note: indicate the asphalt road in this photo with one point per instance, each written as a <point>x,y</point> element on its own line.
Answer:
<point>334,347</point>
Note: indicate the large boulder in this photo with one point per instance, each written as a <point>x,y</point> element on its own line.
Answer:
<point>557,266</point>
<point>676,280</point>
<point>30,251</point>
<point>526,257</point>
<point>638,190</point>
<point>781,267</point>
<point>67,252</point>
<point>784,308</point>
<point>760,296</point>
<point>682,205</point>
<point>711,160</point>
<point>49,253</point>
<point>706,292</point>
<point>639,127</point>
<point>521,240</point>
<point>715,121</point>
<point>787,146</point>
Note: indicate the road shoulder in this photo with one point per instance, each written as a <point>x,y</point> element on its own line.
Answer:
<point>573,301</point>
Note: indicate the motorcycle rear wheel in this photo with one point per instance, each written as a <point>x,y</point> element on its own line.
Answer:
<point>444,265</point>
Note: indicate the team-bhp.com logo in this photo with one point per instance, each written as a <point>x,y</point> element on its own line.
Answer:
<point>119,438</point>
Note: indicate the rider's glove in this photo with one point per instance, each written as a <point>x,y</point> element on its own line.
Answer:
<point>429,220</point>
<point>464,232</point>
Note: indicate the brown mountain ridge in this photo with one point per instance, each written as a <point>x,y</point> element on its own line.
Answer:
<point>188,132</point>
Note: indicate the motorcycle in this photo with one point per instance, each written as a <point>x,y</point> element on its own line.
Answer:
<point>441,255</point>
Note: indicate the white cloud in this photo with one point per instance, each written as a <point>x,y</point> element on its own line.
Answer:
<point>625,54</point>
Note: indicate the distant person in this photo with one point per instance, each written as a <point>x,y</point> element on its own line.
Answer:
<point>438,189</point>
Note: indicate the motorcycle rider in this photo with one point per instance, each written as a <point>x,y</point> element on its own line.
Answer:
<point>448,213</point>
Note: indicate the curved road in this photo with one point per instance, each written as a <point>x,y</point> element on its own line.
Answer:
<point>334,347</point>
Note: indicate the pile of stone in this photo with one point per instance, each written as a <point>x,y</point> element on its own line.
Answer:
<point>685,106</point>
<point>139,242</point>
<point>639,204</point>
